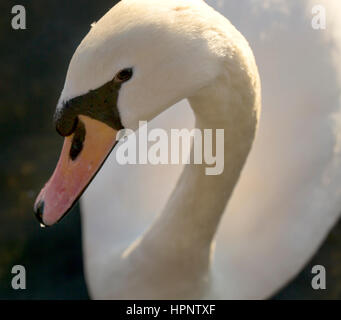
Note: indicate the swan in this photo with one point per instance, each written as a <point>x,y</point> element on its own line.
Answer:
<point>160,232</point>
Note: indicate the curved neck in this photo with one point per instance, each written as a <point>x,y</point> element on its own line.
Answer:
<point>190,219</point>
<point>172,257</point>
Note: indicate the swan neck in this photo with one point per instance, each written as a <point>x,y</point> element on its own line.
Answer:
<point>191,217</point>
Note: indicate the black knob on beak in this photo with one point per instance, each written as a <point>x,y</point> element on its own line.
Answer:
<point>65,120</point>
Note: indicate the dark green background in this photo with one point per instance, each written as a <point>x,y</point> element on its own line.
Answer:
<point>33,65</point>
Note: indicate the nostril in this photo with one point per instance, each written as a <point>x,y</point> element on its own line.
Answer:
<point>77,141</point>
<point>39,211</point>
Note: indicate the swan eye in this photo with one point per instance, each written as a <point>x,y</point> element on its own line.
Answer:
<point>124,75</point>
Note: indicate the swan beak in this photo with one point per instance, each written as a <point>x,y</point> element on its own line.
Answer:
<point>83,154</point>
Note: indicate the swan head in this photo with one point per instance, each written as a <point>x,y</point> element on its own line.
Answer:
<point>136,61</point>
<point>169,53</point>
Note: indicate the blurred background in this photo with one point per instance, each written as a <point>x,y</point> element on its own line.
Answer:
<point>33,65</point>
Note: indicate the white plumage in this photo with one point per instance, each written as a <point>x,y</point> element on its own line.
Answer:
<point>288,196</point>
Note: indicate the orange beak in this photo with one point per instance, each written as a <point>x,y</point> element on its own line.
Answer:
<point>82,156</point>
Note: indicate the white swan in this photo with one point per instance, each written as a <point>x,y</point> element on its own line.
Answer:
<point>283,205</point>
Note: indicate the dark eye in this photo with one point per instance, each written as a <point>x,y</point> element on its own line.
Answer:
<point>124,75</point>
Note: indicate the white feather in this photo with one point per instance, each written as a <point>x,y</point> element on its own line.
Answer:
<point>288,196</point>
